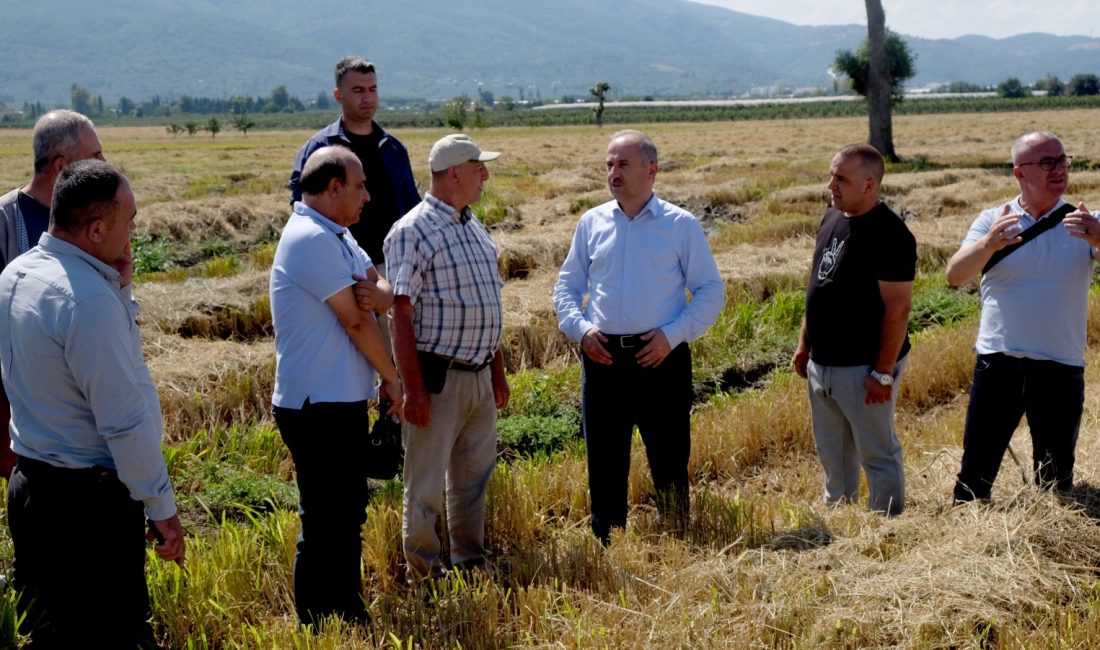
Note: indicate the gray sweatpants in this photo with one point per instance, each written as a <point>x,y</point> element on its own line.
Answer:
<point>849,433</point>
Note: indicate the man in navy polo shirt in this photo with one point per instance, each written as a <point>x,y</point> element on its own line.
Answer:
<point>385,161</point>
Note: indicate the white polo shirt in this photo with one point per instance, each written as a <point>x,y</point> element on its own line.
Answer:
<point>314,357</point>
<point>1035,301</point>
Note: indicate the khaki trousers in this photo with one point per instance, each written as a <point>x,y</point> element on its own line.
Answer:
<point>456,452</point>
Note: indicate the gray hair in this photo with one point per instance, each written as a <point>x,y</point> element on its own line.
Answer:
<point>57,133</point>
<point>1026,141</point>
<point>649,150</point>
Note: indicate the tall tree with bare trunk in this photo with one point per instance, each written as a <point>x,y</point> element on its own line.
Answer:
<point>881,135</point>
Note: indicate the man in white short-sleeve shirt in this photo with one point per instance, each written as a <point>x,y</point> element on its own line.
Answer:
<point>328,349</point>
<point>1031,340</point>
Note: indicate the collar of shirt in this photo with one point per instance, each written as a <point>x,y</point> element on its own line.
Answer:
<point>57,246</point>
<point>1018,208</point>
<point>448,210</point>
<point>337,129</point>
<point>301,209</point>
<point>652,207</point>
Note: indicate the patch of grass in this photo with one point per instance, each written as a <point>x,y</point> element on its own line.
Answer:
<point>748,334</point>
<point>233,184</point>
<point>220,267</point>
<point>540,435</point>
<point>262,256</point>
<point>215,247</point>
<point>237,577</point>
<point>231,472</point>
<point>227,492</point>
<point>491,208</point>
<point>934,303</point>
<point>765,230</point>
<point>150,254</point>
<point>542,392</point>
<point>229,322</point>
<point>583,204</point>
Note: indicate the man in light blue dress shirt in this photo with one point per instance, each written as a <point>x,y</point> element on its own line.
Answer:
<point>636,257</point>
<point>86,423</point>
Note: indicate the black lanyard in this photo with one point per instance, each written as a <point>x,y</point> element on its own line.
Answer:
<point>1043,225</point>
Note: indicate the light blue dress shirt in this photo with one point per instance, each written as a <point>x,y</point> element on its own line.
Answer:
<point>635,273</point>
<point>81,394</point>
<point>314,356</point>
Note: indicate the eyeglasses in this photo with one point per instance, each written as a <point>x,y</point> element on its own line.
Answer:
<point>1048,164</point>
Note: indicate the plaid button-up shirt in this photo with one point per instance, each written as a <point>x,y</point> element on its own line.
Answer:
<point>446,264</point>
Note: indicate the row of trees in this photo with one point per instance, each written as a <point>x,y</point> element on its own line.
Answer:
<point>278,101</point>
<point>242,123</point>
<point>1080,85</point>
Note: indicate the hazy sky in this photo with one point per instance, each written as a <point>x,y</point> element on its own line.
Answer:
<point>931,19</point>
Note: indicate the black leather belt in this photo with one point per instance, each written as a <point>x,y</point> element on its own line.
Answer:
<point>32,467</point>
<point>625,341</point>
<point>454,364</point>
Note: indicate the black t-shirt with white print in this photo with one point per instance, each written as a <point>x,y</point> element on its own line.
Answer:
<point>844,307</point>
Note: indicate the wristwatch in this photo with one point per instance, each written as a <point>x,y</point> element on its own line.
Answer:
<point>886,379</point>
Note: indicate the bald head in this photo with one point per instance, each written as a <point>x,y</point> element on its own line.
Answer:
<point>325,165</point>
<point>334,185</point>
<point>1028,141</point>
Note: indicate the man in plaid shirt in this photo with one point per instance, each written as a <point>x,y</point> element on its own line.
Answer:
<point>446,339</point>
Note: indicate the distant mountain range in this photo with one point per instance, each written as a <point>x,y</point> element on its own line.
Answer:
<point>438,49</point>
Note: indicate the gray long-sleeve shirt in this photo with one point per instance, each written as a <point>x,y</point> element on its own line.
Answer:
<point>81,394</point>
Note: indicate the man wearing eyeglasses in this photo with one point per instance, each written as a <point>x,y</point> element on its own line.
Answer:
<point>1031,340</point>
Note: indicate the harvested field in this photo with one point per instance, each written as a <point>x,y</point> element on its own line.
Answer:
<point>764,563</point>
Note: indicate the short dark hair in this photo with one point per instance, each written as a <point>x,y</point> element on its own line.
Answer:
<point>57,133</point>
<point>352,64</point>
<point>870,160</point>
<point>324,165</point>
<point>85,191</point>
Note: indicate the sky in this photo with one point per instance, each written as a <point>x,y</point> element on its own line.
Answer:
<point>931,19</point>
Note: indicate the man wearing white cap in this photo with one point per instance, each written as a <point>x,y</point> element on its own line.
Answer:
<point>446,339</point>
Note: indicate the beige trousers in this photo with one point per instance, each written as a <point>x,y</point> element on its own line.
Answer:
<point>455,453</point>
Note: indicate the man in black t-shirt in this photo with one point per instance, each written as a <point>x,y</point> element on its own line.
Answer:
<point>385,160</point>
<point>854,337</point>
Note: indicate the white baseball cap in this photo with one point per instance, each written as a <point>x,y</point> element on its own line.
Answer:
<point>456,149</point>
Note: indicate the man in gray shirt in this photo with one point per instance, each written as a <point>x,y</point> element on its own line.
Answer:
<point>86,423</point>
<point>60,138</point>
